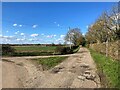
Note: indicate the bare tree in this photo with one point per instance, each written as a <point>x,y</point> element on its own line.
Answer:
<point>73,35</point>
<point>111,22</point>
<point>106,28</point>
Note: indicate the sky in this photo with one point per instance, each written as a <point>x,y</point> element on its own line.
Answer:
<point>47,22</point>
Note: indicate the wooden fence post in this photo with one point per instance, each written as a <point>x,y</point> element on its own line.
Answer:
<point>118,43</point>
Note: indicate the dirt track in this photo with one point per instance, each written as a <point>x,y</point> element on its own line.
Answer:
<point>22,72</point>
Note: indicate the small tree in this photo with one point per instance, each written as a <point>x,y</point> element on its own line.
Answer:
<point>73,35</point>
<point>82,41</point>
<point>53,44</point>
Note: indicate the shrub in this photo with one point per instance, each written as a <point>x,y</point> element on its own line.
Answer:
<point>59,50</point>
<point>113,49</point>
<point>7,49</point>
<point>63,50</point>
<point>32,53</point>
<point>74,47</point>
<point>68,50</point>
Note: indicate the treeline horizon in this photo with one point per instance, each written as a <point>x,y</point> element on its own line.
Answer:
<point>34,44</point>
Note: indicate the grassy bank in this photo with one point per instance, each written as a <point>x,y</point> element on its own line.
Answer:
<point>108,70</point>
<point>48,63</point>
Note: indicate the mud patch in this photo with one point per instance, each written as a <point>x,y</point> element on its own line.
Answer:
<point>6,60</point>
<point>56,69</point>
<point>20,64</point>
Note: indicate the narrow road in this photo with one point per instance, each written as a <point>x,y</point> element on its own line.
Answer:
<point>77,71</point>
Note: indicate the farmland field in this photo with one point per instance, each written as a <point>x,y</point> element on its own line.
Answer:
<point>34,48</point>
<point>37,50</point>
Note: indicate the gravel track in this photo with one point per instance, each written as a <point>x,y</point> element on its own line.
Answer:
<point>18,72</point>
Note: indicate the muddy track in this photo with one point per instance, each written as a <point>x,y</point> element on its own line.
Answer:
<point>77,71</point>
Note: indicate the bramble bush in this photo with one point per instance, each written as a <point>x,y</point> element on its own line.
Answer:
<point>7,50</point>
<point>65,50</point>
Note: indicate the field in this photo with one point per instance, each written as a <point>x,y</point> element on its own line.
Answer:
<point>37,50</point>
<point>34,48</point>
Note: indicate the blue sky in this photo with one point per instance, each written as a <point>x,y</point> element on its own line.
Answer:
<point>47,22</point>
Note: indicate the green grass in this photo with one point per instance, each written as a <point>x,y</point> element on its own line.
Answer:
<point>109,68</point>
<point>34,48</point>
<point>39,50</point>
<point>48,63</point>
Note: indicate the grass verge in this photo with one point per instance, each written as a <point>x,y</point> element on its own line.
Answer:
<point>48,63</point>
<point>108,70</point>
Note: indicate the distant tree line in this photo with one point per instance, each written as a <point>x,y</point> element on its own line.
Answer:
<point>33,44</point>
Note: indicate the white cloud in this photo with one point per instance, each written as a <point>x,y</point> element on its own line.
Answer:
<point>17,32</point>
<point>30,39</point>
<point>58,25</point>
<point>6,37</point>
<point>55,22</point>
<point>62,36</point>
<point>42,34</point>
<point>60,39</point>
<point>7,31</point>
<point>20,25</point>
<point>11,36</point>
<point>50,36</point>
<point>54,35</point>
<point>34,35</point>
<point>17,25</point>
<point>87,26</point>
<point>22,34</point>
<point>35,39</point>
<point>83,34</point>
<point>14,24</point>
<point>34,26</point>
<point>20,39</point>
